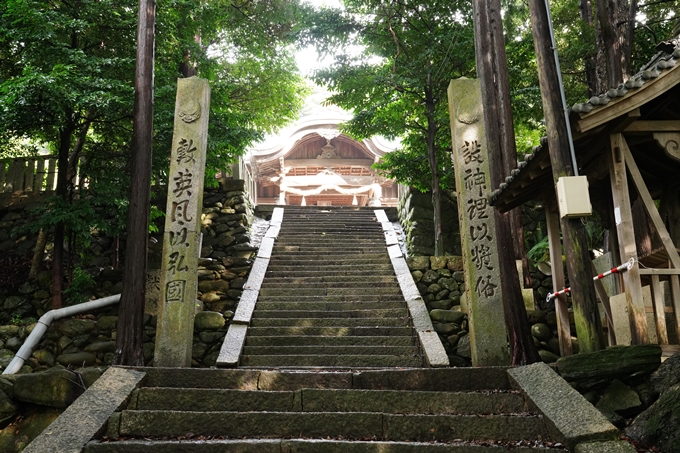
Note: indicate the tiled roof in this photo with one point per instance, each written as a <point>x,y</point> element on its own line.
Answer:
<point>666,58</point>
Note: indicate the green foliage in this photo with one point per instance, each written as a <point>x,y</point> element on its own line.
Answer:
<point>397,86</point>
<point>80,288</point>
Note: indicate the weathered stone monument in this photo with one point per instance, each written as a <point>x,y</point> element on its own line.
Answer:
<point>484,299</point>
<point>179,281</point>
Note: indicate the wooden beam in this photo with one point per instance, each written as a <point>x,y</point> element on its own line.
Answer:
<point>563,330</point>
<point>659,314</point>
<point>328,163</point>
<point>659,271</point>
<point>654,126</point>
<point>670,142</point>
<point>649,204</point>
<point>634,99</point>
<point>626,120</point>
<point>675,300</point>
<point>604,299</point>
<point>626,235</point>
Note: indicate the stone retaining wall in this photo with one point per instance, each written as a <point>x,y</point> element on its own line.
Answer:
<point>415,215</point>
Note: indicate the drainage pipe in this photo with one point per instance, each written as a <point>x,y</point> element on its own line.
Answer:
<point>44,322</point>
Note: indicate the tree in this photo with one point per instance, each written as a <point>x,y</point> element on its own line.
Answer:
<point>66,80</point>
<point>397,85</point>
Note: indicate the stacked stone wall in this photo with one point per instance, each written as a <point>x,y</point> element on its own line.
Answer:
<point>416,218</point>
<point>441,283</point>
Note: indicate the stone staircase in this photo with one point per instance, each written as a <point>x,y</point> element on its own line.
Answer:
<point>462,410</point>
<point>330,297</point>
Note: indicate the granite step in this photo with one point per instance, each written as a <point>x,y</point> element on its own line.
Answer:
<point>329,291</point>
<point>354,425</point>
<point>317,340</point>
<point>348,298</point>
<point>331,331</point>
<point>332,279</point>
<point>332,268</point>
<point>301,446</point>
<point>411,360</point>
<point>314,306</point>
<point>330,350</point>
<point>294,272</point>
<point>328,260</point>
<point>329,322</point>
<point>349,313</point>
<point>328,284</point>
<point>329,400</point>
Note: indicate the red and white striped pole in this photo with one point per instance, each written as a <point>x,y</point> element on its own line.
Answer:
<point>622,268</point>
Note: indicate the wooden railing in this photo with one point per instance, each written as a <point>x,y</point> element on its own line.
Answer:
<point>28,174</point>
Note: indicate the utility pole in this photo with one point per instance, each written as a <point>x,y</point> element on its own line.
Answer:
<point>495,87</point>
<point>586,314</point>
<point>130,330</point>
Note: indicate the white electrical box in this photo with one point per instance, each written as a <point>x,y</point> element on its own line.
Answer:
<point>573,197</point>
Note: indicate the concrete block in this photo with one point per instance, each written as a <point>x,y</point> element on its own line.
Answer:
<point>257,273</point>
<point>570,417</point>
<point>232,345</point>
<point>381,216</point>
<point>277,216</point>
<point>394,251</point>
<point>435,354</point>
<point>266,247</point>
<point>89,413</point>
<point>246,306</point>
<point>391,238</point>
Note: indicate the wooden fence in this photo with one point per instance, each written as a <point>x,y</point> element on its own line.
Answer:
<point>28,174</point>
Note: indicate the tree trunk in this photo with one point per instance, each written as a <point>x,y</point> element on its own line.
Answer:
<point>492,72</point>
<point>586,314</point>
<point>586,14</point>
<point>434,168</point>
<point>613,52</point>
<point>61,192</point>
<point>38,253</point>
<point>130,330</point>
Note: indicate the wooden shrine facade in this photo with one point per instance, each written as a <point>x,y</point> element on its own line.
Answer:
<point>315,164</point>
<point>627,144</point>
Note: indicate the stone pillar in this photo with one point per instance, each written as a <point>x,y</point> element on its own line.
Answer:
<point>179,267</point>
<point>488,335</point>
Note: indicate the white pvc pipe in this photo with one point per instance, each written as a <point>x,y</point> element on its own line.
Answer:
<point>44,322</point>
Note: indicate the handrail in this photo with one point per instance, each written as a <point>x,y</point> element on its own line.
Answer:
<point>44,322</point>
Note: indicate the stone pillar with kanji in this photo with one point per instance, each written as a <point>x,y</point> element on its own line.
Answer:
<point>181,239</point>
<point>488,334</point>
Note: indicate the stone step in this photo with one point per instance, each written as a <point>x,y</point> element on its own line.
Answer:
<point>301,446</point>
<point>301,224</point>
<point>297,292</point>
<point>329,400</point>
<point>350,313</point>
<point>329,260</point>
<point>313,250</point>
<point>431,379</point>
<point>351,298</point>
<point>356,425</point>
<point>330,322</point>
<point>263,305</point>
<point>331,350</point>
<point>270,284</point>
<point>332,268</point>
<point>333,361</point>
<point>315,340</point>
<point>357,331</point>
<point>291,272</point>
<point>332,279</point>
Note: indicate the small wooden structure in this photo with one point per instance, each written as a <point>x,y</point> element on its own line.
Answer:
<point>627,144</point>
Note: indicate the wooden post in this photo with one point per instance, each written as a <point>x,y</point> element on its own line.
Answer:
<point>130,330</point>
<point>627,249</point>
<point>659,312</point>
<point>675,300</point>
<point>586,314</point>
<point>563,330</point>
<point>500,136</point>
